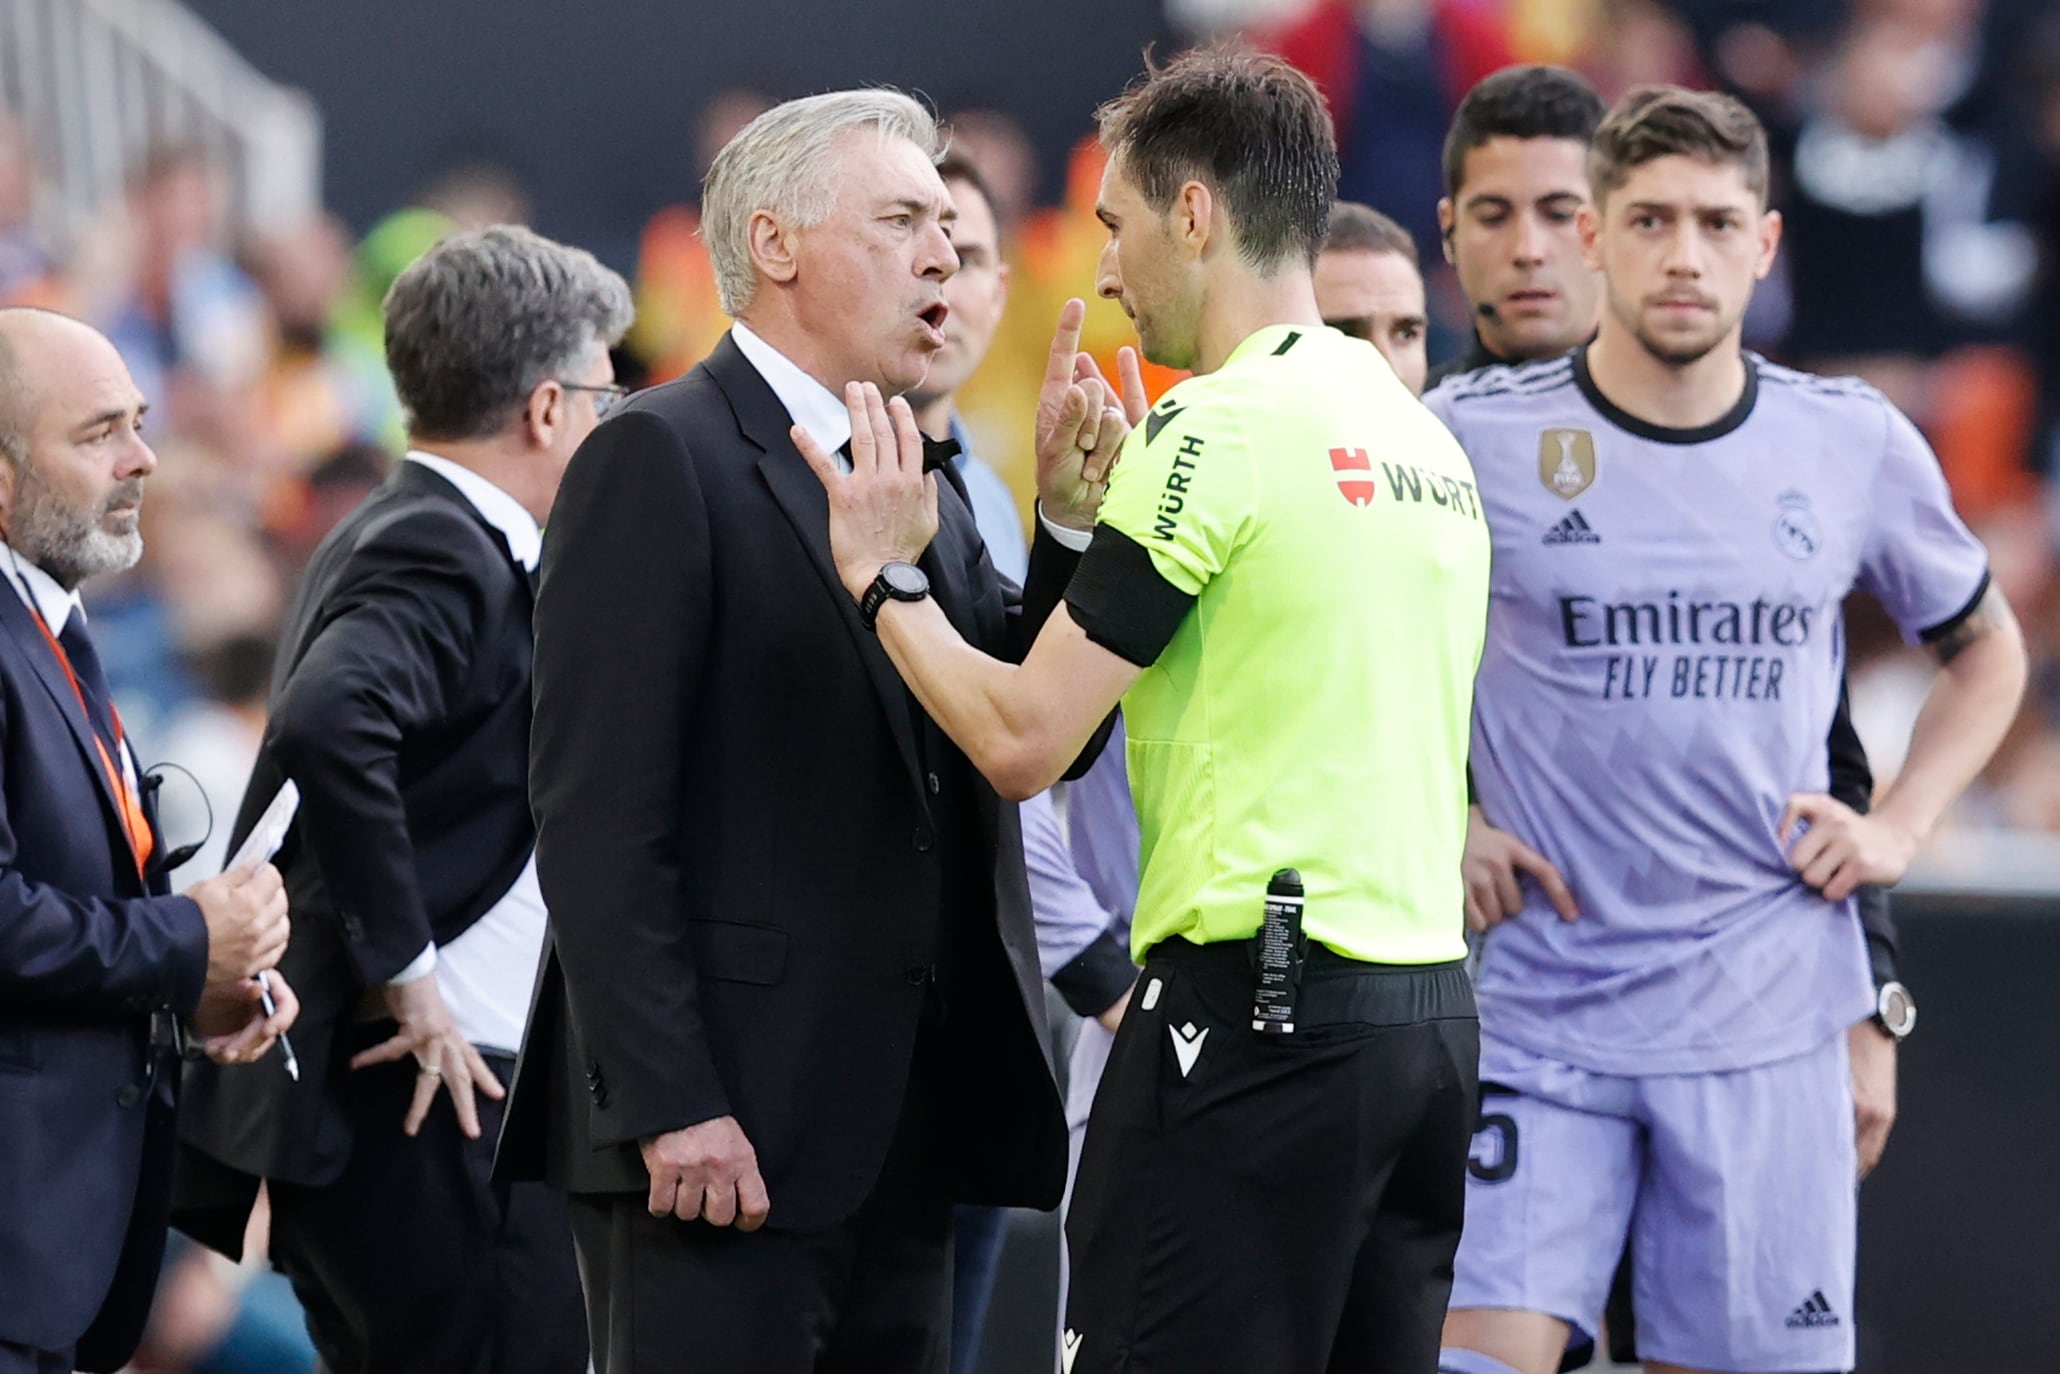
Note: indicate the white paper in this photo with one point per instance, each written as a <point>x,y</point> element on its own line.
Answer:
<point>270,831</point>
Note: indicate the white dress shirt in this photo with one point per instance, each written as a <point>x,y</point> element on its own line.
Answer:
<point>485,974</point>
<point>808,402</point>
<point>822,413</point>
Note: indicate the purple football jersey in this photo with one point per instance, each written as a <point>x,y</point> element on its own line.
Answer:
<point>1664,652</point>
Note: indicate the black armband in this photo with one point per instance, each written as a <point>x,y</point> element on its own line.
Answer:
<point>1122,602</point>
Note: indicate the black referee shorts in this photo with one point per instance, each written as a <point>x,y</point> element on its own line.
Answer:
<point>1274,1204</point>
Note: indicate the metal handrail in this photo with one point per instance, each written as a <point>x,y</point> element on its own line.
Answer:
<point>97,84</point>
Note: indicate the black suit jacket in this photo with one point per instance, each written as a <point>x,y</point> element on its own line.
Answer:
<point>752,843</point>
<point>89,953</point>
<point>400,706</point>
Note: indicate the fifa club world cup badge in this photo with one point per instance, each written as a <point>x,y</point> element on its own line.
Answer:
<point>1796,532</point>
<point>1566,462</point>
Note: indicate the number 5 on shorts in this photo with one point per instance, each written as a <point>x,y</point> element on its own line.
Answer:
<point>1493,1156</point>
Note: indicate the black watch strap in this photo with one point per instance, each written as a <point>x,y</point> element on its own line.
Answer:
<point>869,604</point>
<point>895,582</point>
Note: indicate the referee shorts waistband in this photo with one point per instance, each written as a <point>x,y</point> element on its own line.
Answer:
<point>1335,990</point>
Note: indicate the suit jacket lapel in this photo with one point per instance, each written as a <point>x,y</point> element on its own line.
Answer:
<point>422,481</point>
<point>944,562</point>
<point>28,642</point>
<point>800,496</point>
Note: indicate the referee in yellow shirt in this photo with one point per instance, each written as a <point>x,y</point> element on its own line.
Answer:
<point>1286,588</point>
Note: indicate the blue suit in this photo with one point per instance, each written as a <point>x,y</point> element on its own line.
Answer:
<point>92,958</point>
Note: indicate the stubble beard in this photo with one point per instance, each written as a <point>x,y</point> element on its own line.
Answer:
<point>70,545</point>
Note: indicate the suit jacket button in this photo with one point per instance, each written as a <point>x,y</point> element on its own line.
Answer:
<point>922,840</point>
<point>919,975</point>
<point>935,785</point>
<point>129,1096</point>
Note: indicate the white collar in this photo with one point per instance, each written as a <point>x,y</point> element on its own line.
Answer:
<point>41,592</point>
<point>808,402</point>
<point>495,506</point>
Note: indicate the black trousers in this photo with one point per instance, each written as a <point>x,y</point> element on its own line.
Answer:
<point>415,1260</point>
<point>1274,1204</point>
<point>871,1295</point>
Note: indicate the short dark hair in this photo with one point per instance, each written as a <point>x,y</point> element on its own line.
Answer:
<point>1247,125</point>
<point>956,166</point>
<point>1521,102</point>
<point>478,322</point>
<point>1653,122</point>
<point>1356,228</point>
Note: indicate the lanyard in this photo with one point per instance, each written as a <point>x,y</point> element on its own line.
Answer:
<point>135,825</point>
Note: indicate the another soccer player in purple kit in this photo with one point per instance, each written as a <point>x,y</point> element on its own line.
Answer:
<point>1676,523</point>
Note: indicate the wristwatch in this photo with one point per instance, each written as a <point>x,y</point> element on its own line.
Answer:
<point>1895,1011</point>
<point>896,582</point>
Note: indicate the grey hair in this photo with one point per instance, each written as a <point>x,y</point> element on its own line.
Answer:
<point>783,163</point>
<point>474,325</point>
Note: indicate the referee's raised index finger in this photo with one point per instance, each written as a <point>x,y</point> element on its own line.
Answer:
<point>1065,343</point>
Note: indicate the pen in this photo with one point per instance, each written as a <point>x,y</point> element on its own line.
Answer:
<point>264,982</point>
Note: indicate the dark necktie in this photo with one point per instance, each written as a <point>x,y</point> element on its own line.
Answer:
<point>85,660</point>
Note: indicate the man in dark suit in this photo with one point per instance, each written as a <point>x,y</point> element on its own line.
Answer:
<point>791,980</point>
<point>98,965</point>
<point>401,709</point>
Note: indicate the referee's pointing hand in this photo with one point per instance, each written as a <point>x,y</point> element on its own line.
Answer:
<point>1080,425</point>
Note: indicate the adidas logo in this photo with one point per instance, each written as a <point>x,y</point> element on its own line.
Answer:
<point>1572,530</point>
<point>1814,1312</point>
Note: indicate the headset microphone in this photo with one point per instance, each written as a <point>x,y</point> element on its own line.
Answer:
<point>1487,311</point>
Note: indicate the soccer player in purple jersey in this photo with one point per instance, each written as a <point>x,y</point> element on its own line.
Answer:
<point>1676,523</point>
<point>1516,181</point>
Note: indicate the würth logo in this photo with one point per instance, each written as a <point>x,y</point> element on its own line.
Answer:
<point>1816,1311</point>
<point>1355,474</point>
<point>1572,530</point>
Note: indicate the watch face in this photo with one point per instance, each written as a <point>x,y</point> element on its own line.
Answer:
<point>1898,1010</point>
<point>905,580</point>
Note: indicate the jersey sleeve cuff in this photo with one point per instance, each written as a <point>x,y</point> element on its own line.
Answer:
<point>1935,633</point>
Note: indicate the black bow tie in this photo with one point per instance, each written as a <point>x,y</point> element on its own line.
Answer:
<point>937,453</point>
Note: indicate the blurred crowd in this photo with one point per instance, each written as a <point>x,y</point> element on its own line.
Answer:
<point>1917,146</point>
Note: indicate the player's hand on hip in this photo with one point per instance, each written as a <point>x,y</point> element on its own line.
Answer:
<point>1111,1016</point>
<point>1493,865</point>
<point>707,1172</point>
<point>1873,1053</point>
<point>1839,848</point>
<point>443,1057</point>
<point>1082,422</point>
<point>885,509</point>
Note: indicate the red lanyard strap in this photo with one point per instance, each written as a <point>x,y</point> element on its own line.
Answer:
<point>135,825</point>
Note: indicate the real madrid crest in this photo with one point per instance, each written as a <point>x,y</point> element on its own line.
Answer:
<point>1566,462</point>
<point>1796,532</point>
